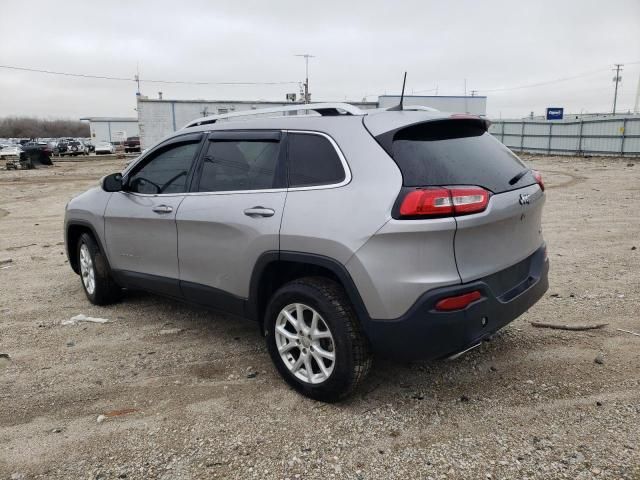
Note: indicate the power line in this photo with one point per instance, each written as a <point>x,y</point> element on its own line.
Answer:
<point>548,82</point>
<point>134,79</point>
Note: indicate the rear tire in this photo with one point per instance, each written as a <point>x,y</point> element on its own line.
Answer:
<point>95,275</point>
<point>335,339</point>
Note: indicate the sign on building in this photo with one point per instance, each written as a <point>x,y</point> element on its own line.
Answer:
<point>555,113</point>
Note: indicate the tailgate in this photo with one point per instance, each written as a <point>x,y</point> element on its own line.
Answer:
<point>508,231</point>
<point>451,154</point>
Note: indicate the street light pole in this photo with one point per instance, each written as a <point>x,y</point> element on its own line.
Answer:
<point>306,57</point>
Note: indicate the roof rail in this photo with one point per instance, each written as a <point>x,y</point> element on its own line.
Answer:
<point>324,109</point>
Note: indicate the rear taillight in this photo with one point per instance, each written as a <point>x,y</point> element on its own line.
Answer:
<point>458,302</point>
<point>538,177</point>
<point>443,202</point>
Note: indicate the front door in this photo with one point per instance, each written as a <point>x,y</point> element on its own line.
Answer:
<point>140,222</point>
<point>231,217</point>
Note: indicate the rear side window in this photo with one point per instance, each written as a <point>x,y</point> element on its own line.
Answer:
<point>313,161</point>
<point>456,152</point>
<point>240,165</point>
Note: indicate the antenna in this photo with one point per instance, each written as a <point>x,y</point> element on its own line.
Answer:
<point>399,107</point>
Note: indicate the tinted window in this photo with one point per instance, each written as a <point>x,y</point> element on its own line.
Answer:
<point>240,165</point>
<point>166,172</point>
<point>313,161</point>
<point>456,152</point>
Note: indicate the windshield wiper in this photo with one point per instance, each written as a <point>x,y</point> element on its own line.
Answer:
<point>517,178</point>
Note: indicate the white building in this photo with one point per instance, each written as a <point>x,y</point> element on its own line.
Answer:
<point>158,118</point>
<point>112,129</point>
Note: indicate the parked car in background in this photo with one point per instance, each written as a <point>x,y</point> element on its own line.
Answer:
<point>26,156</point>
<point>104,148</point>
<point>10,150</point>
<point>61,148</point>
<point>89,145</point>
<point>38,153</point>
<point>75,148</point>
<point>132,144</point>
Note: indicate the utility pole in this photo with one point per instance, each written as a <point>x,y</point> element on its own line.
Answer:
<point>137,77</point>
<point>616,79</point>
<point>306,56</point>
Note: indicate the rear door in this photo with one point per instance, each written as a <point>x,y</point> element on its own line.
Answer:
<point>140,225</point>
<point>231,216</point>
<point>460,152</point>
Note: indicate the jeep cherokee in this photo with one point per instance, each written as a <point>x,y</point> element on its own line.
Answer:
<point>343,233</point>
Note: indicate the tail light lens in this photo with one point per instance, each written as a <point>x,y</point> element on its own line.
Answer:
<point>443,202</point>
<point>538,177</point>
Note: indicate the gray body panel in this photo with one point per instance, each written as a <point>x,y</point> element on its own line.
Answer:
<point>88,208</point>
<point>401,261</point>
<point>218,245</point>
<point>505,233</point>
<point>140,240</point>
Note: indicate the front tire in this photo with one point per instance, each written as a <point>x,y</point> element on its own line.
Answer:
<point>97,282</point>
<point>315,340</point>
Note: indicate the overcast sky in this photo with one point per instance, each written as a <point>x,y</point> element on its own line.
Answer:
<point>361,48</point>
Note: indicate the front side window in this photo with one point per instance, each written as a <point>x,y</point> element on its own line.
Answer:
<point>313,161</point>
<point>166,171</point>
<point>230,165</point>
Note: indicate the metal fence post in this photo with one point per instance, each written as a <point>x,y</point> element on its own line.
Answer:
<point>550,134</point>
<point>580,138</point>
<point>502,133</point>
<point>624,133</point>
<point>522,137</point>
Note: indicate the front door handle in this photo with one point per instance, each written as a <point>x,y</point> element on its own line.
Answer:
<point>162,209</point>
<point>259,212</point>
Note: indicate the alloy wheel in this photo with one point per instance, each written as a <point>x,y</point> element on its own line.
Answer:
<point>305,343</point>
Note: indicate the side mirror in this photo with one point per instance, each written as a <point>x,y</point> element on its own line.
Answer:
<point>112,183</point>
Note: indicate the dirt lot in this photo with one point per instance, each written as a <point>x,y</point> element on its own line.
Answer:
<point>173,379</point>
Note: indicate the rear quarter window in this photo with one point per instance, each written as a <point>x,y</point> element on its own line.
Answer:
<point>456,152</point>
<point>313,160</point>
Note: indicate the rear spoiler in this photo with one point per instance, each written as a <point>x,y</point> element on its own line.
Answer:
<point>385,140</point>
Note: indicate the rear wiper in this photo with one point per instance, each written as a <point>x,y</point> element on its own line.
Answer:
<point>517,178</point>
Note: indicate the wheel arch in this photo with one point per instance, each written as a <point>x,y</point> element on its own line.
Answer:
<point>73,231</point>
<point>274,269</point>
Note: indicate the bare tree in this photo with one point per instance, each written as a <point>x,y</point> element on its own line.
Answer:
<point>28,127</point>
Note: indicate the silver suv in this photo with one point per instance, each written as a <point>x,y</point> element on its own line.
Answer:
<point>342,233</point>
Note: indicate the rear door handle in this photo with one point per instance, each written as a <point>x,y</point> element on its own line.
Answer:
<point>162,209</point>
<point>259,212</point>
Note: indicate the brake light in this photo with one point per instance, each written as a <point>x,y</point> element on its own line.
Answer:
<point>440,202</point>
<point>458,302</point>
<point>538,176</point>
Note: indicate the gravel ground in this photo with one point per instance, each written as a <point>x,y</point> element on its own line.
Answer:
<point>185,393</point>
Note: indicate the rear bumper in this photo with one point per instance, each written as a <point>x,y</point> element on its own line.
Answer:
<point>426,333</point>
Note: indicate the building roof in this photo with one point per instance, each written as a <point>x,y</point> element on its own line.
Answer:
<point>110,119</point>
<point>241,102</point>
<point>432,96</point>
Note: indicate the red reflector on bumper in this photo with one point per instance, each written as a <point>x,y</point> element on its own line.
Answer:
<point>458,302</point>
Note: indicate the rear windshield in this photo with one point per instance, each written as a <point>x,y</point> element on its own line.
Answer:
<point>456,152</point>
